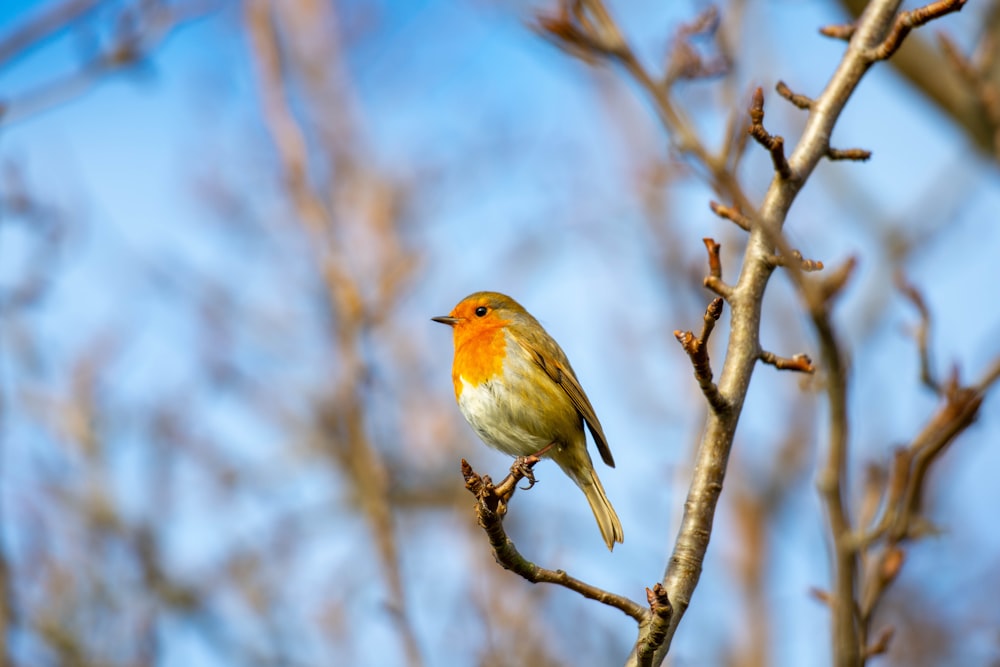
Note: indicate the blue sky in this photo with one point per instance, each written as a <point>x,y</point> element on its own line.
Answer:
<point>532,192</point>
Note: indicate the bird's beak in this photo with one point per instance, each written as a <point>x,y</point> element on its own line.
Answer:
<point>445,319</point>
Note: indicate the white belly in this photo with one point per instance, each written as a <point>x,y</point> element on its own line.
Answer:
<point>501,423</point>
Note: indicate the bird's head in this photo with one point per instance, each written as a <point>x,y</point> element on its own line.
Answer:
<point>481,311</point>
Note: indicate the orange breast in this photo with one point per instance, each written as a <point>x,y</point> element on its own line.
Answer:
<point>479,356</point>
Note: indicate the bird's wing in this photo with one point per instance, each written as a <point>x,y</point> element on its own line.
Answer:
<point>553,361</point>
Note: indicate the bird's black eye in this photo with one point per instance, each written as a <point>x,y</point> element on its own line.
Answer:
<point>481,311</point>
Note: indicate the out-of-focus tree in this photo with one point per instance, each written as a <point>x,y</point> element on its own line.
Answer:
<point>238,448</point>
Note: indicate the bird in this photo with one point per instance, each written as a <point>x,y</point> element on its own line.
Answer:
<point>516,388</point>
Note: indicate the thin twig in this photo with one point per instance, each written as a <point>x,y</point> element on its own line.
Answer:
<point>685,62</point>
<point>50,20</point>
<point>697,350</point>
<point>835,281</point>
<point>907,21</point>
<point>801,101</point>
<point>855,154</point>
<point>731,214</point>
<point>979,80</point>
<point>713,280</point>
<point>831,483</point>
<point>922,333</point>
<point>772,142</point>
<point>714,262</point>
<point>800,362</point>
<point>127,47</point>
<point>844,31</point>
<point>491,505</point>
<point>881,644</point>
<point>807,265</point>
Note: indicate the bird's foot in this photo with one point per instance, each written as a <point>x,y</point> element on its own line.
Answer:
<point>494,497</point>
<point>522,469</point>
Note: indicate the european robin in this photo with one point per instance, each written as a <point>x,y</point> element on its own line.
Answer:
<point>515,387</point>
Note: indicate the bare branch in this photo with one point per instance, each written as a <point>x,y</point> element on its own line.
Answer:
<point>807,265</point>
<point>731,214</point>
<point>697,350</point>
<point>131,42</point>
<point>844,32</point>
<point>922,333</point>
<point>959,411</point>
<point>835,281</point>
<point>713,280</point>
<point>491,505</point>
<point>800,362</point>
<point>684,61</point>
<point>832,482</point>
<point>47,22</point>
<point>881,644</point>
<point>773,143</point>
<point>801,101</point>
<point>654,633</point>
<point>978,79</point>
<point>855,154</point>
<point>901,520</point>
<point>684,568</point>
<point>714,263</point>
<point>907,21</point>
<point>989,378</point>
<point>821,596</point>
<point>584,29</point>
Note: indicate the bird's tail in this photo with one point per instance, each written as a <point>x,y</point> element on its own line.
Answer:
<point>607,519</point>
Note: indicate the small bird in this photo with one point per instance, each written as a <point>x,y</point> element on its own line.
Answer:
<point>515,387</point>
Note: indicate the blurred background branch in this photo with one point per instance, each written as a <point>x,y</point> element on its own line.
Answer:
<point>134,30</point>
<point>970,107</point>
<point>226,426</point>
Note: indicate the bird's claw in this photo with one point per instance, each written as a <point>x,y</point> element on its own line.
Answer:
<point>495,497</point>
<point>522,468</point>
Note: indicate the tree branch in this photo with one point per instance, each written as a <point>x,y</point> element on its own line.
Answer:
<point>831,483</point>
<point>807,265</point>
<point>697,350</point>
<point>491,506</point>
<point>713,280</point>
<point>731,214</point>
<point>772,142</point>
<point>855,154</point>
<point>743,351</point>
<point>919,62</point>
<point>653,633</point>
<point>907,21</point>
<point>800,362</point>
<point>922,333</point>
<point>130,42</point>
<point>801,101</point>
<point>901,520</point>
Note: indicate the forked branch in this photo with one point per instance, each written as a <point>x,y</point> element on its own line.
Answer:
<point>772,142</point>
<point>697,349</point>
<point>907,21</point>
<point>900,499</point>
